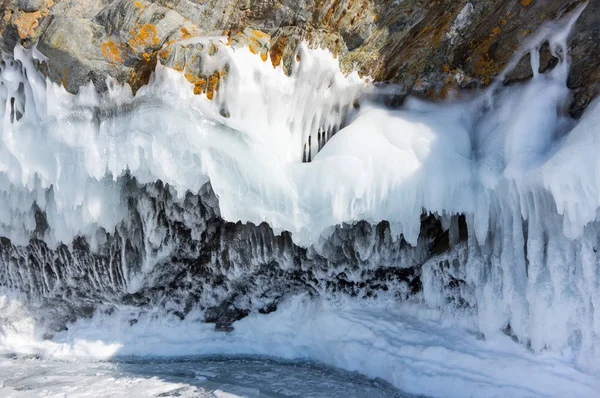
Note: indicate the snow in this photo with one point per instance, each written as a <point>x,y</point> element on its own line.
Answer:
<point>409,347</point>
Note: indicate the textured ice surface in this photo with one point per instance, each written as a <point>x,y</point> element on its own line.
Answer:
<point>206,377</point>
<point>408,347</point>
<point>64,152</point>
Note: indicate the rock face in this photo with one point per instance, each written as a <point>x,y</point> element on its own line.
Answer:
<point>430,48</point>
<point>226,269</point>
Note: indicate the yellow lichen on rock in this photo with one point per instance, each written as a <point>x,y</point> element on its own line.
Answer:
<point>187,33</point>
<point>206,85</point>
<point>258,42</point>
<point>212,83</point>
<point>111,51</point>
<point>143,36</point>
<point>258,34</point>
<point>26,22</point>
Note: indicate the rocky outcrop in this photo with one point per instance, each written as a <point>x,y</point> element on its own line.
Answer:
<point>226,269</point>
<point>430,48</point>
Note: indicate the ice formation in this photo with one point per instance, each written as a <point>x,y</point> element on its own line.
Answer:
<point>305,153</point>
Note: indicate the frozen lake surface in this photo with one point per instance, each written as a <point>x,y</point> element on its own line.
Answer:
<point>218,376</point>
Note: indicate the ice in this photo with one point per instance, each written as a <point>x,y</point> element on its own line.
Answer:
<point>410,348</point>
<point>316,149</point>
<point>382,164</point>
<point>198,377</point>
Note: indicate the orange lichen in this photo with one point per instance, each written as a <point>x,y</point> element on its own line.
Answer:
<point>254,45</point>
<point>276,51</point>
<point>330,11</point>
<point>143,36</point>
<point>263,56</point>
<point>211,85</point>
<point>496,31</point>
<point>231,37</point>
<point>138,4</point>
<point>111,51</point>
<point>259,34</point>
<point>358,12</point>
<point>185,34</point>
<point>166,49</point>
<point>26,22</point>
<point>376,18</point>
<point>525,3</point>
<point>198,82</point>
<point>199,86</point>
<point>205,85</point>
<point>336,13</point>
<point>484,64</point>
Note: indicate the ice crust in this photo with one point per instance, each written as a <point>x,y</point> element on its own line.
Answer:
<point>64,152</point>
<point>526,176</point>
<point>407,347</point>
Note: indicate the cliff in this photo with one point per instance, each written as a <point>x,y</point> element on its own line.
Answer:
<point>432,49</point>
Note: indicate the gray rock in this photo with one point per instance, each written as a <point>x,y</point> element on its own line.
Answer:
<point>75,59</point>
<point>429,48</point>
<point>30,5</point>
